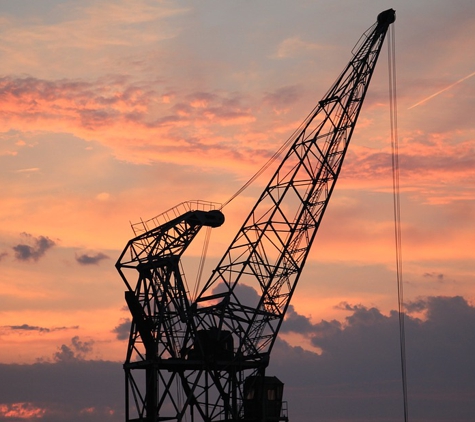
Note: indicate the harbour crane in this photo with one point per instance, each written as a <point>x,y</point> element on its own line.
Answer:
<point>204,358</point>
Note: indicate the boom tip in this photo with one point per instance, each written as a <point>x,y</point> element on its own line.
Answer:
<point>387,17</point>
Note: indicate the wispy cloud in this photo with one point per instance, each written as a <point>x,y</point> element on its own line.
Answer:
<point>424,160</point>
<point>295,46</point>
<point>442,90</point>
<point>36,328</point>
<point>96,30</point>
<point>283,98</point>
<point>131,119</point>
<point>28,171</point>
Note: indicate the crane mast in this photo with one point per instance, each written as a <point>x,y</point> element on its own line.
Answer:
<point>205,359</point>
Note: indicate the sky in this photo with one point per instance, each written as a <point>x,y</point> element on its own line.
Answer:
<point>114,111</point>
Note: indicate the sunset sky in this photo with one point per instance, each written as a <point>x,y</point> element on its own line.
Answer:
<point>114,111</point>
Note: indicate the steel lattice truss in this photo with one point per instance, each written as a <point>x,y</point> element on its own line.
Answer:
<point>191,359</point>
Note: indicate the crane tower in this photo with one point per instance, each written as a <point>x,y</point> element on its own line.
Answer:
<point>205,358</point>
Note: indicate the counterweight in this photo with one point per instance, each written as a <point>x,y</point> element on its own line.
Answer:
<point>206,359</point>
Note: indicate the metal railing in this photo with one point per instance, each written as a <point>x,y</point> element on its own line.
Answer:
<point>193,205</point>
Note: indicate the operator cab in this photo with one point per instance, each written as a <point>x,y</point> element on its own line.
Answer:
<point>263,399</point>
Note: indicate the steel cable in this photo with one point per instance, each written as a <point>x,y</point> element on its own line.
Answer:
<point>397,209</point>
<point>271,160</point>
<point>266,165</point>
<point>201,264</point>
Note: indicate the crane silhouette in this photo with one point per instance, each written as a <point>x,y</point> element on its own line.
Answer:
<point>205,358</point>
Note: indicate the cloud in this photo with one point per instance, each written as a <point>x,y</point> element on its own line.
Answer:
<point>90,105</point>
<point>64,354</point>
<point>91,259</point>
<point>356,377</point>
<point>445,317</point>
<point>283,98</point>
<point>246,295</point>
<point>296,323</point>
<point>102,33</point>
<point>442,90</point>
<point>41,244</point>
<point>424,158</point>
<point>123,329</point>
<point>27,327</point>
<point>30,170</point>
<point>76,390</point>
<point>130,118</point>
<point>437,276</point>
<point>21,411</point>
<point>295,46</point>
<point>357,374</point>
<point>77,350</point>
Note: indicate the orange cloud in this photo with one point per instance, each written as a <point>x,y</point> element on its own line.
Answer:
<point>435,167</point>
<point>22,410</point>
<point>218,130</point>
<point>129,119</point>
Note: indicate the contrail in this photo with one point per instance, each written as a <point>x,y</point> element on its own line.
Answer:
<point>442,90</point>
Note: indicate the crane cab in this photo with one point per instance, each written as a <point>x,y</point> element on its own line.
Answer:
<point>263,399</point>
<point>212,345</point>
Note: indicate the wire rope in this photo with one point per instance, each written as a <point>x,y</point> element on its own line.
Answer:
<point>271,160</point>
<point>201,264</point>
<point>397,210</point>
<point>266,165</point>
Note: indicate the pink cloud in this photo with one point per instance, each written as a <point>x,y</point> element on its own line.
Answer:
<point>129,118</point>
<point>22,410</point>
<point>221,130</point>
<point>432,166</point>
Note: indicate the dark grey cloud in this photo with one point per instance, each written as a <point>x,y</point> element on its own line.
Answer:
<point>357,375</point>
<point>123,329</point>
<point>75,390</point>
<point>246,295</point>
<point>27,327</point>
<point>77,350</point>
<point>91,259</point>
<point>296,323</point>
<point>65,354</point>
<point>82,347</point>
<point>355,378</point>
<point>34,249</point>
